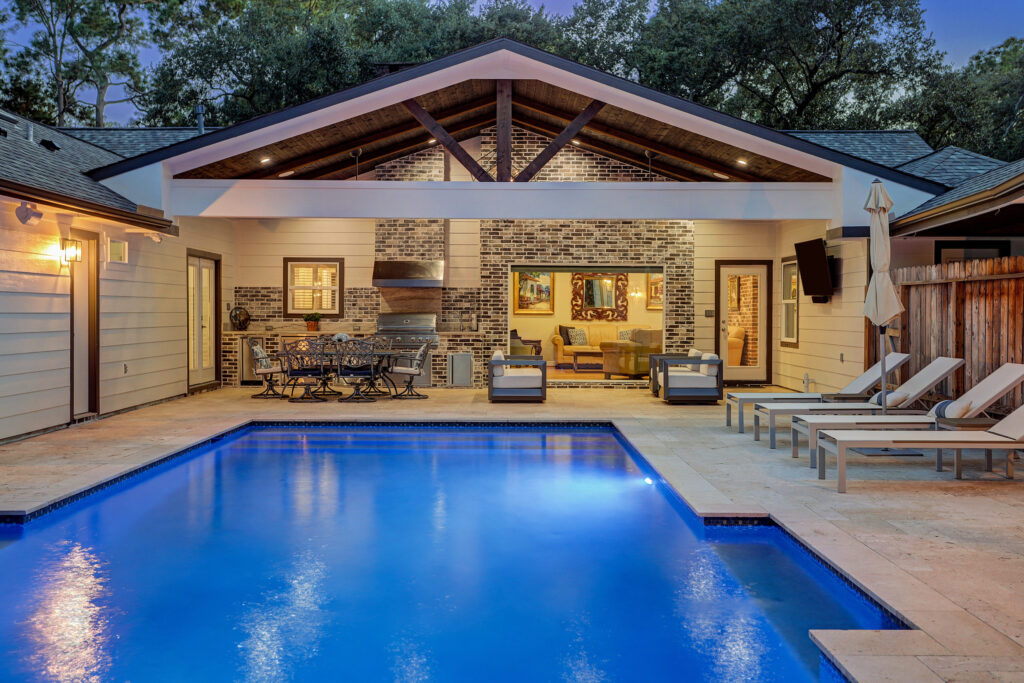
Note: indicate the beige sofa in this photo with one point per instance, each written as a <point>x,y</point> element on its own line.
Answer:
<point>597,332</point>
<point>737,338</point>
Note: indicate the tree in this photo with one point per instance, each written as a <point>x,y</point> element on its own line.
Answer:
<point>84,46</point>
<point>606,34</point>
<point>789,63</point>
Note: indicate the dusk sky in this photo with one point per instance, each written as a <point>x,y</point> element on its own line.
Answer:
<point>960,27</point>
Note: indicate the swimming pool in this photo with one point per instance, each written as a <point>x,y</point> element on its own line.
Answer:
<point>409,552</point>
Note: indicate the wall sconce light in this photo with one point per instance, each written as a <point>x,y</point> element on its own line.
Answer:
<point>70,250</point>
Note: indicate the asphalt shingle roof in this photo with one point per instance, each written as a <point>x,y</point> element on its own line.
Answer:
<point>886,147</point>
<point>975,185</point>
<point>61,171</point>
<point>951,165</point>
<point>130,142</point>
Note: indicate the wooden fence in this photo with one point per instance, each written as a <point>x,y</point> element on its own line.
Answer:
<point>972,310</point>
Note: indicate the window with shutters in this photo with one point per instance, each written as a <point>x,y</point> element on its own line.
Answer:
<point>313,285</point>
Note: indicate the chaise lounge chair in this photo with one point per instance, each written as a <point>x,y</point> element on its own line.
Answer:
<point>902,397</point>
<point>1006,435</point>
<point>975,401</point>
<point>857,389</point>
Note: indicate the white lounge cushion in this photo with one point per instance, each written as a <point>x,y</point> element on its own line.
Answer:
<point>688,380</point>
<point>694,353</point>
<point>499,370</point>
<point>709,368</point>
<point>519,378</point>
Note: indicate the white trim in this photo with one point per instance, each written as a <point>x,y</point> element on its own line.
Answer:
<point>470,200</point>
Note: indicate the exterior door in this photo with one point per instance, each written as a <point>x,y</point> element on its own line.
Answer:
<point>743,311</point>
<point>202,313</point>
<point>85,328</point>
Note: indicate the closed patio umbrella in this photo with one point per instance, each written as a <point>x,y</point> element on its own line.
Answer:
<point>881,303</point>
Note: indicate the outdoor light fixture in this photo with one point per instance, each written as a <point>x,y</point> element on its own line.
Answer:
<point>431,141</point>
<point>70,250</point>
<point>575,141</point>
<point>720,175</point>
<point>265,160</point>
<point>648,480</point>
<point>28,214</point>
<point>285,174</point>
<point>741,162</point>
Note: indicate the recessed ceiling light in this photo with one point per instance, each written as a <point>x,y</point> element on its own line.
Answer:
<point>741,162</point>
<point>265,160</point>
<point>285,174</point>
<point>575,141</point>
<point>720,175</point>
<point>431,141</point>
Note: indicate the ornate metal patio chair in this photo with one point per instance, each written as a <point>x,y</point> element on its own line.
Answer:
<point>409,368</point>
<point>356,366</point>
<point>266,368</point>
<point>304,363</point>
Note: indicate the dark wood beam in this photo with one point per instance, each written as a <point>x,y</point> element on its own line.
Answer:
<point>442,136</point>
<point>348,146</point>
<point>560,141</point>
<point>504,130</point>
<point>344,168</point>
<point>605,149</point>
<point>709,165</point>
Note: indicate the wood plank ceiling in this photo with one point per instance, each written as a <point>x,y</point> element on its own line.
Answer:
<point>462,111</point>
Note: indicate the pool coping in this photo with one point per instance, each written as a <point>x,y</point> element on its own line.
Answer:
<point>856,654</point>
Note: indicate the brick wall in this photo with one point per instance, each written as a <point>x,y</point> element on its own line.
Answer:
<point>266,305</point>
<point>571,164</point>
<point>747,318</point>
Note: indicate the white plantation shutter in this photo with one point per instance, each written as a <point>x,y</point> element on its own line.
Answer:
<point>313,287</point>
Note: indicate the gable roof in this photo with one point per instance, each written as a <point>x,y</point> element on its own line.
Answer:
<point>55,173</point>
<point>886,147</point>
<point>1007,177</point>
<point>130,142</point>
<point>951,165</point>
<point>544,58</point>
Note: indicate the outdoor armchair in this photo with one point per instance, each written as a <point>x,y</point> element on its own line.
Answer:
<point>688,380</point>
<point>356,366</point>
<point>304,362</point>
<point>408,368</point>
<point>266,368</point>
<point>516,378</point>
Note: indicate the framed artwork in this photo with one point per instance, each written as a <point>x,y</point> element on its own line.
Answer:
<point>655,291</point>
<point>533,293</point>
<point>734,293</point>
<point>600,296</point>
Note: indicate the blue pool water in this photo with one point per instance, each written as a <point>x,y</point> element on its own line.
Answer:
<point>412,554</point>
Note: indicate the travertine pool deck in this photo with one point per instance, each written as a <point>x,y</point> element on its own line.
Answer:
<point>946,555</point>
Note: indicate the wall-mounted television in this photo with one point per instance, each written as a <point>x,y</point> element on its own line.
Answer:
<point>817,270</point>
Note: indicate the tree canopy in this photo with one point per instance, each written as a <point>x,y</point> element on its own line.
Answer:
<point>783,63</point>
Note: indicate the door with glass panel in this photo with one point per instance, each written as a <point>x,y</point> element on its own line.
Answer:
<point>743,310</point>
<point>202,315</point>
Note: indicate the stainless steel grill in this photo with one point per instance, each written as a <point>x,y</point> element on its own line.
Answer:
<point>408,330</point>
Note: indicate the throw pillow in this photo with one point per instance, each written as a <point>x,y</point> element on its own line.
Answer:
<point>563,332</point>
<point>625,335</point>
<point>694,353</point>
<point>499,370</point>
<point>261,357</point>
<point>951,409</point>
<point>710,369</point>
<point>892,398</point>
<point>577,337</point>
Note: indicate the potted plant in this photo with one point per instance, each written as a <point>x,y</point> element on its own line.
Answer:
<point>312,321</point>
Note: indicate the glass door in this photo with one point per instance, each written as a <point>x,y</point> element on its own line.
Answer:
<point>202,302</point>
<point>743,311</point>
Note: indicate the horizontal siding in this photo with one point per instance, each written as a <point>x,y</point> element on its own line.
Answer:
<point>826,331</point>
<point>262,244</point>
<point>35,333</point>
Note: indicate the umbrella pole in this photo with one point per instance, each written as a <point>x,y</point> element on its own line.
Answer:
<point>881,359</point>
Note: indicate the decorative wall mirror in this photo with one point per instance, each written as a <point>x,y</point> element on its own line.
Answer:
<point>600,296</point>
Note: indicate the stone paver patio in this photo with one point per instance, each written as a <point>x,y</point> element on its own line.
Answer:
<point>946,555</point>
